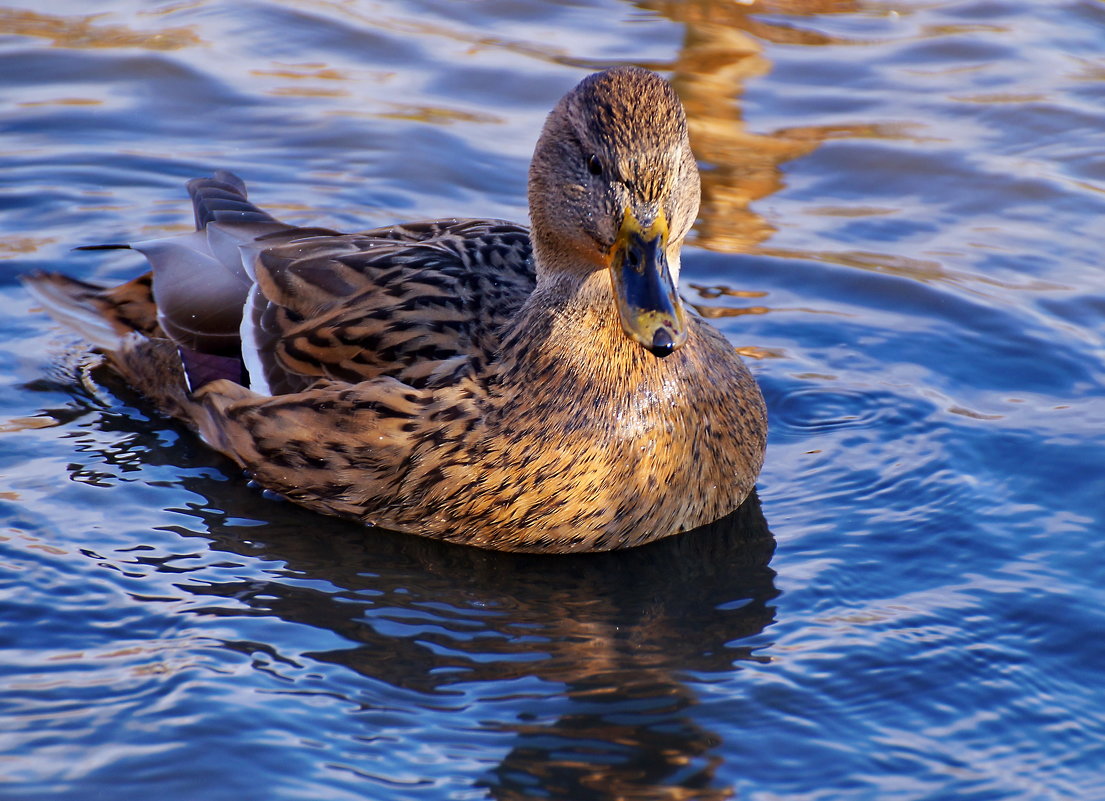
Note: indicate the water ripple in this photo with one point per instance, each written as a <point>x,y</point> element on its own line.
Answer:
<point>901,216</point>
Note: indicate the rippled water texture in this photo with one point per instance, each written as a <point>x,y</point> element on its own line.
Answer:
<point>901,229</point>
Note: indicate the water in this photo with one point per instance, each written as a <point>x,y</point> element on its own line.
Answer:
<point>901,229</point>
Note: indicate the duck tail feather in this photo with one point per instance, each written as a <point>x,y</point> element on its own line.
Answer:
<point>104,247</point>
<point>222,198</point>
<point>78,305</point>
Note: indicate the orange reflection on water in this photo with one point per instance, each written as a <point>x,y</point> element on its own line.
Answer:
<point>81,32</point>
<point>723,48</point>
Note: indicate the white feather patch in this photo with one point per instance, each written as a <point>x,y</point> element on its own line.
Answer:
<point>251,355</point>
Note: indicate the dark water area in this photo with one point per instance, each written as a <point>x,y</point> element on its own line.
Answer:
<point>901,230</point>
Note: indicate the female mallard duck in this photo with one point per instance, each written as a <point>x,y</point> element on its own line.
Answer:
<point>467,380</point>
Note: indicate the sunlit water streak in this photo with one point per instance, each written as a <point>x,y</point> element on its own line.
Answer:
<point>901,227</point>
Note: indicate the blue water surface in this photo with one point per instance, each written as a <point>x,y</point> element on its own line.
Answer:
<point>902,232</point>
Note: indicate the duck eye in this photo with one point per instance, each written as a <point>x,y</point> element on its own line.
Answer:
<point>594,166</point>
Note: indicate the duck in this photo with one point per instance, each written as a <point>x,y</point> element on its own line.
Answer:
<point>541,389</point>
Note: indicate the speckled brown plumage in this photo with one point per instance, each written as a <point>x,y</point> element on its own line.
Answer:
<point>440,378</point>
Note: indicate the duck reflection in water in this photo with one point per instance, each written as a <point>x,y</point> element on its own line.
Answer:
<point>618,631</point>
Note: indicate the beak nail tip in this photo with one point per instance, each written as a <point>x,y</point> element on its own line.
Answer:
<point>662,343</point>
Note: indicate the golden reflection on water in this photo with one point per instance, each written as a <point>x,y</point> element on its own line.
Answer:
<point>82,32</point>
<point>436,115</point>
<point>61,101</point>
<point>16,424</point>
<point>313,70</point>
<point>920,270</point>
<point>16,246</point>
<point>722,49</point>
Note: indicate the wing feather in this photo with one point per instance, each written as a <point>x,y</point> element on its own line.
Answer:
<point>416,302</point>
<point>407,301</point>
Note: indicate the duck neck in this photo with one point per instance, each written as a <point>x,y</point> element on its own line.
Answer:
<point>568,331</point>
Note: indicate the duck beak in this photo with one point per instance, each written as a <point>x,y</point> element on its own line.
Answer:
<point>651,311</point>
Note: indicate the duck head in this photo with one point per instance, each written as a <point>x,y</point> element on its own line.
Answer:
<point>614,187</point>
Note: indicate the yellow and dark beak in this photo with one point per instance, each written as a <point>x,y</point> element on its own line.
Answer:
<point>652,313</point>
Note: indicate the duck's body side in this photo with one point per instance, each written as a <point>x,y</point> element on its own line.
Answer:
<point>427,378</point>
<point>542,451</point>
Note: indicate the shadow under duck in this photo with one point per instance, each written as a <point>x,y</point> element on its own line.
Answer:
<point>469,380</point>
